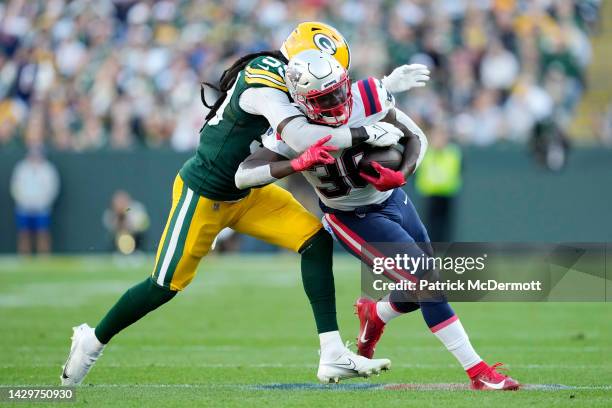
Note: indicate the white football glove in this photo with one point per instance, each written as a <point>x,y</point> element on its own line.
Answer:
<point>383,134</point>
<point>406,77</point>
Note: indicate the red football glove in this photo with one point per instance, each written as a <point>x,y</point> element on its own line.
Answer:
<point>387,179</point>
<point>315,154</point>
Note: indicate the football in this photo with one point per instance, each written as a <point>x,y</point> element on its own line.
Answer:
<point>390,157</point>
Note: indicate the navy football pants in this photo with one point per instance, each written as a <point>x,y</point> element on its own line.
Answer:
<point>395,221</point>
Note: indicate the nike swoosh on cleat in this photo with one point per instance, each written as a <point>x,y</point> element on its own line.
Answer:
<point>362,338</point>
<point>497,386</point>
<point>64,375</point>
<point>351,365</point>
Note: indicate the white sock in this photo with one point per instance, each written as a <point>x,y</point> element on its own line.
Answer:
<point>385,311</point>
<point>456,340</point>
<point>331,345</point>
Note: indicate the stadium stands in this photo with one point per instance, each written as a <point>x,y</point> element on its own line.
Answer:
<point>81,75</point>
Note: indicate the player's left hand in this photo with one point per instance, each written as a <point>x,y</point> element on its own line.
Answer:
<point>406,77</point>
<point>387,179</point>
<point>318,153</point>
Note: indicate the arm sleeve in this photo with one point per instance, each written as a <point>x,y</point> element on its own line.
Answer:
<point>409,123</point>
<point>275,106</point>
<point>256,170</point>
<point>251,177</point>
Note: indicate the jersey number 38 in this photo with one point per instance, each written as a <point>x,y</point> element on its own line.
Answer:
<point>340,177</point>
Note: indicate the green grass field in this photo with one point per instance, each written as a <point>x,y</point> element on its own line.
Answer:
<point>245,325</point>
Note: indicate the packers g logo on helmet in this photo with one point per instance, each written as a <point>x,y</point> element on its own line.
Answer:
<point>312,35</point>
<point>324,43</point>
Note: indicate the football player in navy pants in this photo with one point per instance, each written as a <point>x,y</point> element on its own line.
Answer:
<point>364,209</point>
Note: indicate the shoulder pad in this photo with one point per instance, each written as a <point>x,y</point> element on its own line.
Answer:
<point>375,96</point>
<point>266,71</point>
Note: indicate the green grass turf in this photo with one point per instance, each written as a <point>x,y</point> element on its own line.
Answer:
<point>245,322</point>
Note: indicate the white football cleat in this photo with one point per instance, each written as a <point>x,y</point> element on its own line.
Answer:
<point>84,352</point>
<point>350,365</point>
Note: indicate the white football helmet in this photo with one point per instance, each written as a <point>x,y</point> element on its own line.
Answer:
<point>320,86</point>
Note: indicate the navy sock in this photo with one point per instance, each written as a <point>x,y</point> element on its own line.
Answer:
<point>435,313</point>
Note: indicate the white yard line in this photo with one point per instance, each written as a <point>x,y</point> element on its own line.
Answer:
<point>188,364</point>
<point>347,386</point>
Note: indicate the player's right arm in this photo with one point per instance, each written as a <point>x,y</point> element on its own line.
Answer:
<point>415,146</point>
<point>414,141</point>
<point>265,166</point>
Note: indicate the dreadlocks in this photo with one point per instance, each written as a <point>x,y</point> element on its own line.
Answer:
<point>229,77</point>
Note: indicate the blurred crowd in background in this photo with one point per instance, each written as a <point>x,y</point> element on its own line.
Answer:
<point>81,75</point>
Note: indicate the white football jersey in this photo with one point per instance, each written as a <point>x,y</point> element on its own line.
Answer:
<point>339,185</point>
